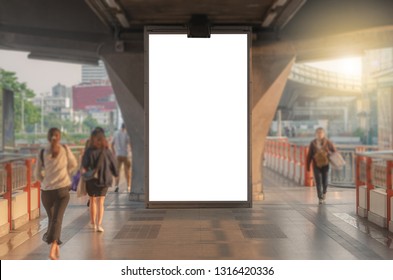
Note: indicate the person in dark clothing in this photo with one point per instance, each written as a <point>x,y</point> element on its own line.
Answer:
<point>87,144</point>
<point>318,155</point>
<point>106,168</point>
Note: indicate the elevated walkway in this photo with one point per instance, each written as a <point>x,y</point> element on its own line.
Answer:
<point>288,224</point>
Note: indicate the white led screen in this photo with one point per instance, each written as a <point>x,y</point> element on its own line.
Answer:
<point>198,123</point>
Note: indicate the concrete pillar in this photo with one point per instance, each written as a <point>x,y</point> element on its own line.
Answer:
<point>126,72</point>
<point>269,76</point>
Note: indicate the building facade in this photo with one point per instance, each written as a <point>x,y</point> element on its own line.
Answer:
<point>98,101</point>
<point>378,76</point>
<point>92,73</point>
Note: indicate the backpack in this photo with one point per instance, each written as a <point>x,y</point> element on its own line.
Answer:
<point>321,158</point>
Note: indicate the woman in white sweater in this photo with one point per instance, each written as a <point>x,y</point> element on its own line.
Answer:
<point>54,165</point>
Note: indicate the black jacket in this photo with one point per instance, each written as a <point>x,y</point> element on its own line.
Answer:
<point>107,170</point>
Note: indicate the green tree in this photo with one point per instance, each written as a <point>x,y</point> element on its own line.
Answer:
<point>52,120</point>
<point>90,122</point>
<point>8,80</point>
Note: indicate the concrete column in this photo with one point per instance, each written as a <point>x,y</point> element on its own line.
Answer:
<point>126,72</point>
<point>269,76</point>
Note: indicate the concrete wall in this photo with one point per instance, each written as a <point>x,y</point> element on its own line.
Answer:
<point>19,210</point>
<point>363,197</point>
<point>378,207</point>
<point>19,213</point>
<point>4,225</point>
<point>378,202</point>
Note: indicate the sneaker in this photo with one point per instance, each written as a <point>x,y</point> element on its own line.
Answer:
<point>320,201</point>
<point>93,226</point>
<point>117,189</point>
<point>100,229</point>
<point>324,196</point>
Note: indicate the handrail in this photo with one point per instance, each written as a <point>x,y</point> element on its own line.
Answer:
<point>374,171</point>
<point>289,159</point>
<point>15,157</point>
<point>385,155</point>
<point>17,174</point>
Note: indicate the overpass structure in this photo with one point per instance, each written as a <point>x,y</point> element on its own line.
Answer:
<point>283,31</point>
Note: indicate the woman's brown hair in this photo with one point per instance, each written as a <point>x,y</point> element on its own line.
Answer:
<point>51,132</point>
<point>98,140</point>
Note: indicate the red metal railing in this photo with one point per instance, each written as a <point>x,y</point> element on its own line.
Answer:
<point>17,174</point>
<point>289,160</point>
<point>374,171</point>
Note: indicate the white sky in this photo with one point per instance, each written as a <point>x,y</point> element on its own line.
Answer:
<point>40,75</point>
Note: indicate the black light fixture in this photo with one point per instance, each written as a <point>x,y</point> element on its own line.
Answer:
<point>199,27</point>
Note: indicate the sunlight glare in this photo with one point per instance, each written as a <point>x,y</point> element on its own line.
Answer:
<point>348,66</point>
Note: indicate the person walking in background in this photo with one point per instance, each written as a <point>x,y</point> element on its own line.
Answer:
<point>87,144</point>
<point>54,165</point>
<point>318,154</point>
<point>121,146</point>
<point>293,132</point>
<point>98,157</point>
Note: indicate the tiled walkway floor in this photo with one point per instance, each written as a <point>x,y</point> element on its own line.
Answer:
<point>288,224</point>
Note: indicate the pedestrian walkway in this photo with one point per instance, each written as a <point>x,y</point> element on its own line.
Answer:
<point>288,224</point>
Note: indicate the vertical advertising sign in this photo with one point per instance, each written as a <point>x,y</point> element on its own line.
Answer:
<point>197,119</point>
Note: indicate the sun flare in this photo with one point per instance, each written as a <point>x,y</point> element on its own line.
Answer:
<point>347,66</point>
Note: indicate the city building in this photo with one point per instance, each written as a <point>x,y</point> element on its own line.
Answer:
<point>94,74</point>
<point>58,102</point>
<point>98,101</point>
<point>60,90</point>
<point>378,76</point>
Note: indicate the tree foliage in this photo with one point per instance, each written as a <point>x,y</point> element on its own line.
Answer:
<point>90,122</point>
<point>22,93</point>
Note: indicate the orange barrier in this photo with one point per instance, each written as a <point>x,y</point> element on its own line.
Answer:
<point>26,184</point>
<point>289,160</point>
<point>374,172</point>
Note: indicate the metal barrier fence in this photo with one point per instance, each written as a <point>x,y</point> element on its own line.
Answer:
<point>290,159</point>
<point>346,177</point>
<point>16,173</point>
<point>374,186</point>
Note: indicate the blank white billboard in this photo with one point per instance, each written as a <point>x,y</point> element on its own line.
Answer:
<point>198,118</point>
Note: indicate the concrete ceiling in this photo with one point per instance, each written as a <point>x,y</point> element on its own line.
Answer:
<point>76,30</point>
<point>268,14</point>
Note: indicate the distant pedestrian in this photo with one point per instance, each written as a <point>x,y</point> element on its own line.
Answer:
<point>121,146</point>
<point>54,165</point>
<point>287,132</point>
<point>293,132</point>
<point>318,155</point>
<point>98,157</point>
